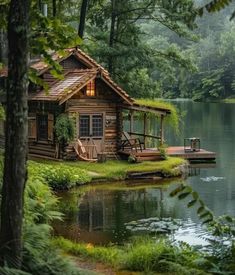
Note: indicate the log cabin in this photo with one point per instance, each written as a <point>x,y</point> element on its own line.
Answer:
<point>88,95</point>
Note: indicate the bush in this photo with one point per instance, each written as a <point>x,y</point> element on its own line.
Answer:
<point>148,255</point>
<point>60,177</point>
<point>64,128</point>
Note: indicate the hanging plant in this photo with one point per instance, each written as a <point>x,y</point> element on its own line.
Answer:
<point>64,128</point>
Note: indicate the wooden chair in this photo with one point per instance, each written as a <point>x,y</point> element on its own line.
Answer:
<point>131,143</point>
<point>82,153</point>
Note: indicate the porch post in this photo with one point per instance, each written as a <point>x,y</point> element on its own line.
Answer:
<point>145,129</point>
<point>161,130</point>
<point>131,121</point>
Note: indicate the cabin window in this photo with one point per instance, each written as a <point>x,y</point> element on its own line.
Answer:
<point>90,89</point>
<point>32,128</point>
<point>97,125</point>
<point>45,125</point>
<point>84,126</point>
<point>91,125</point>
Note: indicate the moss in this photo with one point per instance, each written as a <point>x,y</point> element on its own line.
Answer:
<point>173,118</point>
<point>229,100</point>
<point>118,170</point>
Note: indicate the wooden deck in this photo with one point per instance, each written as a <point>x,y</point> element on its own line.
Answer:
<point>176,151</point>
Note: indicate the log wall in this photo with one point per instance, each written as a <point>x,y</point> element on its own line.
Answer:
<point>99,106</point>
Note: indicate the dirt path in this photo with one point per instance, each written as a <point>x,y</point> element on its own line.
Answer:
<point>95,268</point>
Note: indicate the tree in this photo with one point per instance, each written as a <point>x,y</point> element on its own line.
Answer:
<point>83,12</point>
<point>16,135</point>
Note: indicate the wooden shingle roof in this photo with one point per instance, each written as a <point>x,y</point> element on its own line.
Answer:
<point>64,89</point>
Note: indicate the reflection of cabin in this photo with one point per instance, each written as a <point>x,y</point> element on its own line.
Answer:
<point>89,95</point>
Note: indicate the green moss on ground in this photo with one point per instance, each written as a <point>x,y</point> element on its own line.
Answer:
<point>118,170</point>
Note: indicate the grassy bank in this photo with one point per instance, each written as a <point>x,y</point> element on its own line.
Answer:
<point>143,255</point>
<point>83,172</point>
<point>229,100</point>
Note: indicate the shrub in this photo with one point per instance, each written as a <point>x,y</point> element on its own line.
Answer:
<point>40,204</point>
<point>64,128</point>
<point>60,177</point>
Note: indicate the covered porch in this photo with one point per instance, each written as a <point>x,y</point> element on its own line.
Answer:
<point>142,151</point>
<point>138,141</point>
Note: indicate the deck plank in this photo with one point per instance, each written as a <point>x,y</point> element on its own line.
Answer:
<point>174,151</point>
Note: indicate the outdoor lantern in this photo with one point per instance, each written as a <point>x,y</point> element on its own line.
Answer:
<point>192,144</point>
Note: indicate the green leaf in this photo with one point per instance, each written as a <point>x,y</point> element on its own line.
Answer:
<point>207,213</point>
<point>228,218</point>
<point>200,209</point>
<point>208,220</point>
<point>191,203</point>
<point>195,195</point>
<point>177,190</point>
<point>184,195</point>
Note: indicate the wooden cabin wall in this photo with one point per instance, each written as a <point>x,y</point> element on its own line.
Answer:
<point>105,102</point>
<point>47,148</point>
<point>72,63</point>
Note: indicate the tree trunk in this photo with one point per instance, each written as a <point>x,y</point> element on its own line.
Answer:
<point>54,8</point>
<point>40,5</point>
<point>3,46</point>
<point>16,135</point>
<point>82,20</point>
<point>112,35</point>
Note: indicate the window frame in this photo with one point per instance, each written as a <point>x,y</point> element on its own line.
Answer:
<point>91,84</point>
<point>91,115</point>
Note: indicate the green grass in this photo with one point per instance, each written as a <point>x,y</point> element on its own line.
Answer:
<point>229,100</point>
<point>118,170</point>
<point>143,254</point>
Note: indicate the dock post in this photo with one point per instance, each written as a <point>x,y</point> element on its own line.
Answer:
<point>161,131</point>
<point>131,122</point>
<point>145,129</point>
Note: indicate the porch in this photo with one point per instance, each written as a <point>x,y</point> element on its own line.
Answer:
<point>144,151</point>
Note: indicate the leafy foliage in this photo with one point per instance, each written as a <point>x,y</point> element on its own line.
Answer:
<point>173,119</point>
<point>143,254</point>
<point>59,177</point>
<point>64,128</point>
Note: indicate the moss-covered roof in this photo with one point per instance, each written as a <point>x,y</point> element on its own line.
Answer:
<point>160,107</point>
<point>155,104</point>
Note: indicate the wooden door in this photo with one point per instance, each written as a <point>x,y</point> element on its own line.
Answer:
<point>91,132</point>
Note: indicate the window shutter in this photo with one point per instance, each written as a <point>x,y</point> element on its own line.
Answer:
<point>50,127</point>
<point>32,127</point>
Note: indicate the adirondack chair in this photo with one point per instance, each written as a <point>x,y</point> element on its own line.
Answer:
<point>82,152</point>
<point>131,143</point>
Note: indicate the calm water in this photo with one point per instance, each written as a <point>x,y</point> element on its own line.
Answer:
<point>98,214</point>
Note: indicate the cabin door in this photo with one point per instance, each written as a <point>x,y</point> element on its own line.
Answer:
<point>91,132</point>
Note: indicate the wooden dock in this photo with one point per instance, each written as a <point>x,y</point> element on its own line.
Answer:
<point>178,151</point>
<point>151,154</point>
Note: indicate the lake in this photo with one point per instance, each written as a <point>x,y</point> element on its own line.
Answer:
<point>99,214</point>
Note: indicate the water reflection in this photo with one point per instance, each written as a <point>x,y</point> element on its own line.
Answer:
<point>102,212</point>
<point>101,215</point>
